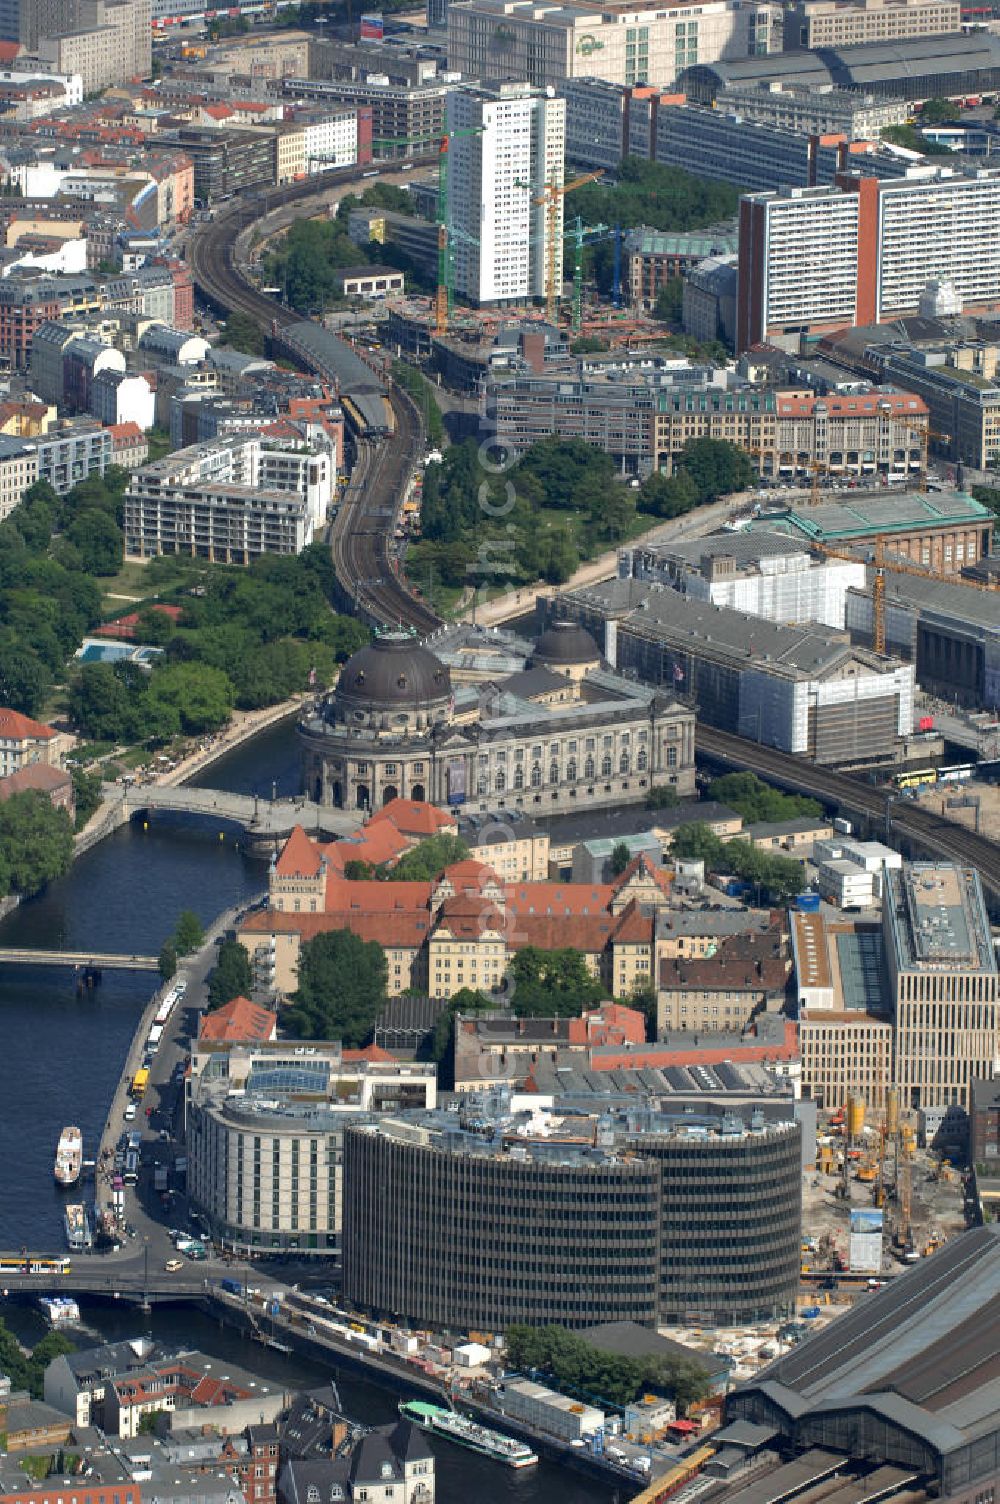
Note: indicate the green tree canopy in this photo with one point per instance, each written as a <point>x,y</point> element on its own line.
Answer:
<point>579,1367</point>
<point>189,934</point>
<point>167,964</point>
<point>231,975</point>
<point>756,800</point>
<point>36,843</point>
<point>620,858</point>
<point>425,860</point>
<point>342,988</point>
<point>552,984</point>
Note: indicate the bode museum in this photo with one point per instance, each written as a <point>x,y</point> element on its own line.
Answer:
<point>561,731</point>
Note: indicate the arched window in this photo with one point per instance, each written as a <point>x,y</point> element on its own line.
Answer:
<point>588,768</point>
<point>623,763</point>
<point>571,770</point>
<point>501,780</point>
<point>606,765</point>
<point>536,775</point>
<point>554,773</point>
<point>641,760</point>
<point>519,777</point>
<point>484,783</point>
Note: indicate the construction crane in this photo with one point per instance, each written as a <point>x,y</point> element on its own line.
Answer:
<point>579,234</point>
<point>445,291</point>
<point>880,564</point>
<point>550,198</point>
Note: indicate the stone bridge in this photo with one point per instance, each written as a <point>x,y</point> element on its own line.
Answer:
<point>266,822</point>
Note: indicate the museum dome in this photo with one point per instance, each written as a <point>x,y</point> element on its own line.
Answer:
<point>394,673</point>
<point>564,643</point>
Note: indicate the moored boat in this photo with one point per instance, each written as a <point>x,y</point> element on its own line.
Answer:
<point>466,1432</point>
<point>69,1157</point>
<point>79,1236</point>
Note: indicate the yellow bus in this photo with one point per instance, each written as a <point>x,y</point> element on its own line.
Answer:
<point>139,1083</point>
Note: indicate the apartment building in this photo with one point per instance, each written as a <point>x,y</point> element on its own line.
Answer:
<point>229,500</point>
<point>496,177</point>
<point>494,40</point>
<point>942,976</point>
<point>105,44</point>
<point>18,471</point>
<point>386,112</point>
<point>72,450</point>
<point>872,247</point>
<point>652,258</point>
<point>227,161</point>
<point>810,24</point>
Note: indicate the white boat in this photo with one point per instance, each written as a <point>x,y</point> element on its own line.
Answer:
<point>69,1157</point>
<point>61,1310</point>
<point>466,1432</point>
<point>79,1236</point>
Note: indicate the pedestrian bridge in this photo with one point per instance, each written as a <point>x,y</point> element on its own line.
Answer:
<point>262,819</point>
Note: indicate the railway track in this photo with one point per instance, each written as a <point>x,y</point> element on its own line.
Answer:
<point>368,572</point>
<point>361,542</point>
<point>921,826</point>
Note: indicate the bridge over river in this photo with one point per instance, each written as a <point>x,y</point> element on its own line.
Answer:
<point>265,821</point>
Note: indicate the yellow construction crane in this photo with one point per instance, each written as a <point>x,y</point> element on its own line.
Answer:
<point>553,250</point>
<point>897,566</point>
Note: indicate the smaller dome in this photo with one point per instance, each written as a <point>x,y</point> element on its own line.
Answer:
<point>566,642</point>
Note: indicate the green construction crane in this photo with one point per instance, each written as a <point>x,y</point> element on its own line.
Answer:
<point>445,290</point>
<point>577,234</point>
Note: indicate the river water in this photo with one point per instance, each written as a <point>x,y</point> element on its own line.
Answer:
<point>63,1052</point>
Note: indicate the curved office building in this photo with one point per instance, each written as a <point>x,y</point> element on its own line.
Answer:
<point>477,1222</point>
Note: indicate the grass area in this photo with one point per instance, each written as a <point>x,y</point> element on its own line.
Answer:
<point>131,579</point>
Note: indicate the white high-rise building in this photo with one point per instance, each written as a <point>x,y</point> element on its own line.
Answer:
<point>496,176</point>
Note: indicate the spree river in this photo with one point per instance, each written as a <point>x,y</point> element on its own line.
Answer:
<point>62,1054</point>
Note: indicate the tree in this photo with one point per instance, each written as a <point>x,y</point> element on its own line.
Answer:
<point>198,696</point>
<point>756,800</point>
<point>356,871</point>
<point>189,934</point>
<point>717,467</point>
<point>36,841</point>
<point>441,1050</point>
<point>669,301</point>
<point>243,333</point>
<point>231,976</point>
<point>429,858</point>
<point>24,679</point>
<point>342,988</point>
<point>696,842</point>
<point>620,858</point>
<point>668,495</point>
<point>98,540</point>
<point>552,984</point>
<point>167,964</point>
<point>662,796</point>
<point>105,702</point>
<point>938,111</point>
<point>86,795</point>
<point>582,1368</point>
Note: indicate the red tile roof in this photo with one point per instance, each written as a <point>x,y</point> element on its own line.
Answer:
<point>37,777</point>
<point>21,728</point>
<point>239,1020</point>
<point>414,817</point>
<point>123,628</point>
<point>299,857</point>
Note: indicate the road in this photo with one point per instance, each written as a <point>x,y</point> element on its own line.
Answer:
<point>605,567</point>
